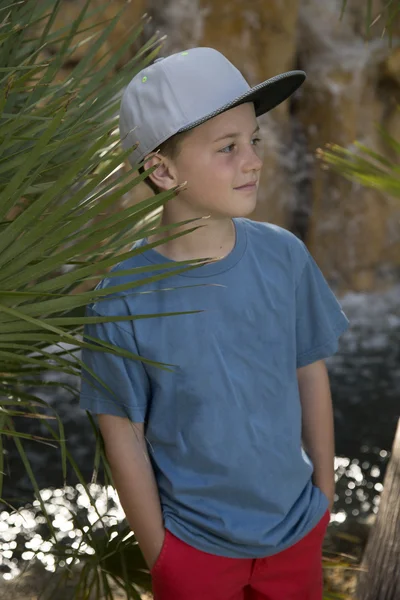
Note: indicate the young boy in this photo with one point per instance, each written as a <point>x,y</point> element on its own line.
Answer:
<point>224,464</point>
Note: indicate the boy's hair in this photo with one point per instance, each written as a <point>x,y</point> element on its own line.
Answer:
<point>170,149</point>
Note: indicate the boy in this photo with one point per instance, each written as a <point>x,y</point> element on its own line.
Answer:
<point>224,466</point>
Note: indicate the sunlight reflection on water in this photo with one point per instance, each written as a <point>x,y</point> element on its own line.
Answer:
<point>20,536</point>
<point>21,533</point>
<point>356,494</point>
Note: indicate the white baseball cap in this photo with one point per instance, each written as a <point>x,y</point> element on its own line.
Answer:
<point>181,91</point>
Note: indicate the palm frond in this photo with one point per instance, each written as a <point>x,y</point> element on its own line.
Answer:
<point>61,178</point>
<point>365,166</point>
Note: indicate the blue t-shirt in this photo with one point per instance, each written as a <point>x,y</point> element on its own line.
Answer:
<point>223,424</point>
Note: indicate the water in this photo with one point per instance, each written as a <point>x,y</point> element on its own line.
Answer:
<point>25,534</point>
<point>365,383</point>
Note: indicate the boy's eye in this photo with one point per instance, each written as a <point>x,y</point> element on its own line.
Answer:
<point>227,149</point>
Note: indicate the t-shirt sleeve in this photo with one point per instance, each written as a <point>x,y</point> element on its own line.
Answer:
<point>320,319</point>
<point>126,377</point>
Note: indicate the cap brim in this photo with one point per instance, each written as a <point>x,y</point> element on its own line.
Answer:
<point>265,96</point>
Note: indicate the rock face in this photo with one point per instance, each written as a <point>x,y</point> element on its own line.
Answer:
<point>351,228</point>
<point>97,17</point>
<point>352,86</point>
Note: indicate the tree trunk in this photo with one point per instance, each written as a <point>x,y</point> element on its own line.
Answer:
<point>380,578</point>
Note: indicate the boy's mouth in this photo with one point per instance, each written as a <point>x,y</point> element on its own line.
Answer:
<point>252,185</point>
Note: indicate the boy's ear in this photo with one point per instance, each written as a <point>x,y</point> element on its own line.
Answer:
<point>164,176</point>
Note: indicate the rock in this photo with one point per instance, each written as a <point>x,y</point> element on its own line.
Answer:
<point>356,16</point>
<point>339,104</point>
<point>391,66</point>
<point>103,14</point>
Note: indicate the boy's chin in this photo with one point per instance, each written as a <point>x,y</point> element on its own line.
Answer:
<point>242,211</point>
<point>232,209</point>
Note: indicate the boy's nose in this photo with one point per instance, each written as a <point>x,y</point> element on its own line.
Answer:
<point>252,162</point>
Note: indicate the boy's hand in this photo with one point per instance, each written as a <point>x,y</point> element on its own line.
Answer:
<point>327,488</point>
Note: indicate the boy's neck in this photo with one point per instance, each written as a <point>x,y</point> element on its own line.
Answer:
<point>215,238</point>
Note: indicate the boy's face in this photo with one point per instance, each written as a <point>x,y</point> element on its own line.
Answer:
<point>218,158</point>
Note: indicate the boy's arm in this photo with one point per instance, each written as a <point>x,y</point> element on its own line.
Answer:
<point>134,481</point>
<point>317,425</point>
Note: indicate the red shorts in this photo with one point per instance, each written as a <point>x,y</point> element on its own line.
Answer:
<point>182,572</point>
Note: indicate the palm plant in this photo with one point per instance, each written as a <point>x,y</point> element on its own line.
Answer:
<point>365,166</point>
<point>61,177</point>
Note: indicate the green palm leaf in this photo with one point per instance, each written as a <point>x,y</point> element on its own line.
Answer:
<point>365,166</point>
<point>60,177</point>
